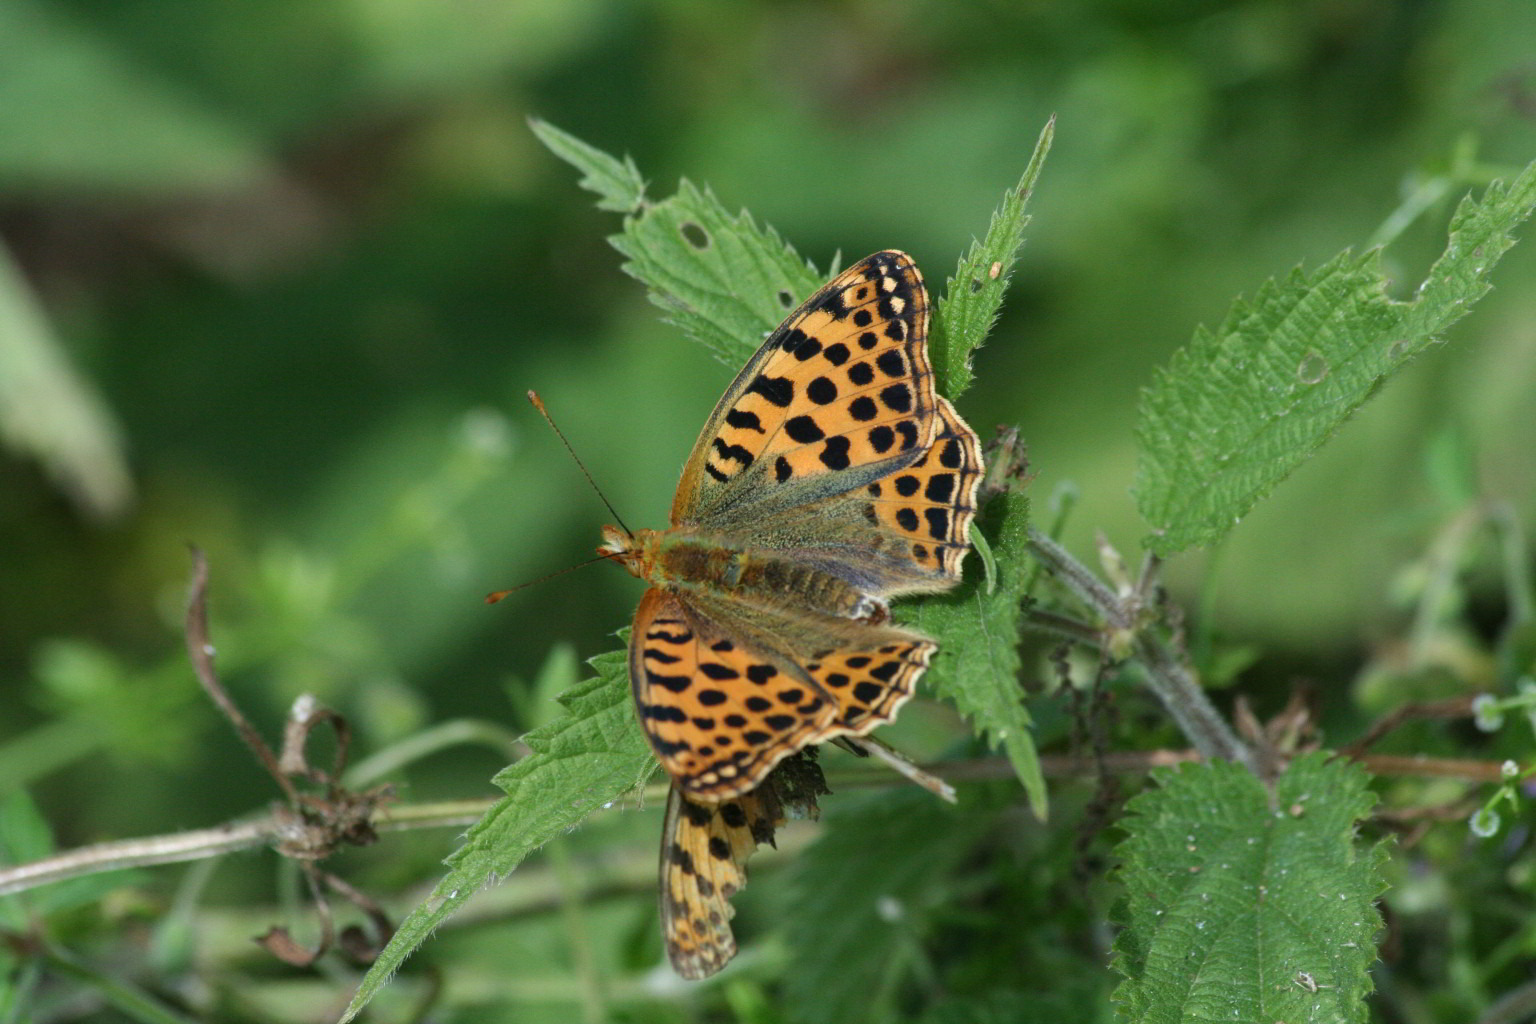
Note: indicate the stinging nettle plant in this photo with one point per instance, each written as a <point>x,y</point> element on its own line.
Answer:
<point>1246,892</point>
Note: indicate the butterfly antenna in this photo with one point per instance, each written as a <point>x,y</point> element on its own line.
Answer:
<point>538,403</point>
<point>498,595</point>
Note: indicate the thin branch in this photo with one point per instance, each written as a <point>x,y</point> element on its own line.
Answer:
<point>276,827</point>
<point>1078,578</point>
<point>199,844</point>
<point>1456,707</point>
<point>201,650</point>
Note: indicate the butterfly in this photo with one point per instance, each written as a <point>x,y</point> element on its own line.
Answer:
<point>830,478</point>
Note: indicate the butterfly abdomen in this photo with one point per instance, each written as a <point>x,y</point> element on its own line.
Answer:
<point>758,577</point>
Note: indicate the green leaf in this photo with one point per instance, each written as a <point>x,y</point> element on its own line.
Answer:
<point>1244,905</point>
<point>965,315</point>
<point>48,411</point>
<point>581,761</point>
<point>861,915</point>
<point>725,281</point>
<point>617,182</point>
<point>1237,410</point>
<point>977,665</point>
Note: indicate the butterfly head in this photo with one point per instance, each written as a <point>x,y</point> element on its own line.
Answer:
<point>636,551</point>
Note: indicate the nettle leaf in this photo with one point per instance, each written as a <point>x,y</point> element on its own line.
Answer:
<point>977,665</point>
<point>581,761</point>
<point>723,279</point>
<point>1241,407</point>
<point>865,892</point>
<point>726,282</point>
<point>965,315</point>
<point>617,182</point>
<point>1246,906</point>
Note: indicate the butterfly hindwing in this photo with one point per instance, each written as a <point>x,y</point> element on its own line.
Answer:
<point>844,383</point>
<point>718,712</point>
<point>725,692</point>
<point>864,671</point>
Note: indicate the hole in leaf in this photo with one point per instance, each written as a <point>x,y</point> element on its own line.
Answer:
<point>785,299</point>
<point>1313,368</point>
<point>975,286</point>
<point>694,235</point>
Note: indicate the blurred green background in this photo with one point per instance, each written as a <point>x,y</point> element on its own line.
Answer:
<point>277,274</point>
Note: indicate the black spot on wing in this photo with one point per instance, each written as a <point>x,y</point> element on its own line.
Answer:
<point>949,455</point>
<point>834,454</point>
<point>897,398</point>
<point>803,429</point>
<point>733,452</point>
<point>821,391</point>
<point>778,390</point>
<point>744,420</point>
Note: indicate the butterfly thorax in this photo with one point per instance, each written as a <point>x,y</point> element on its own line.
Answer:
<point>681,560</point>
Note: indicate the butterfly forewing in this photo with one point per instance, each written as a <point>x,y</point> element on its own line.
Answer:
<point>844,383</point>
<point>929,505</point>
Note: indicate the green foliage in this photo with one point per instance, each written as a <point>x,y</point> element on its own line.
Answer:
<point>77,109</point>
<point>283,251</point>
<point>965,314</point>
<point>1239,409</point>
<point>1247,904</point>
<point>580,762</point>
<point>859,934</point>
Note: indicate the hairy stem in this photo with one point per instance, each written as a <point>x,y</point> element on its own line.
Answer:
<point>1168,676</point>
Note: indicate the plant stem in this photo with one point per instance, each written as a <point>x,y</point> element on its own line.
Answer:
<point>1168,677</point>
